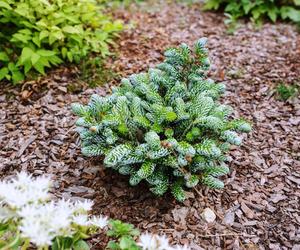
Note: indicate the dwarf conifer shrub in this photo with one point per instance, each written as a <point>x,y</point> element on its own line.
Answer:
<point>165,126</point>
<point>36,34</point>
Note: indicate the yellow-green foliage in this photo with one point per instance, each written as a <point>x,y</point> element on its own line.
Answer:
<point>259,9</point>
<point>36,34</point>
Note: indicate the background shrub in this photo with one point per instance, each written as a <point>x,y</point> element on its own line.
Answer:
<point>39,33</point>
<point>165,126</point>
<point>259,9</point>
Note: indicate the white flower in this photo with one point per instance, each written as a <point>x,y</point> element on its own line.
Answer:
<point>44,183</point>
<point>81,220</point>
<point>24,190</point>
<point>66,205</point>
<point>163,242</point>
<point>36,232</point>
<point>153,242</point>
<point>35,224</point>
<point>51,219</point>
<point>99,221</point>
<point>61,218</point>
<point>6,214</point>
<point>23,179</point>
<point>85,205</point>
<point>147,242</point>
<point>26,200</point>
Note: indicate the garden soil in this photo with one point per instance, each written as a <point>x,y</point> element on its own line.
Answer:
<point>259,208</point>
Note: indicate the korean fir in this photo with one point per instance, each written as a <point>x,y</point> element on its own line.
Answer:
<point>165,126</point>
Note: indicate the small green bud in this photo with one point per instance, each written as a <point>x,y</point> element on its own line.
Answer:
<point>195,132</point>
<point>169,132</point>
<point>123,128</point>
<point>189,136</point>
<point>171,116</point>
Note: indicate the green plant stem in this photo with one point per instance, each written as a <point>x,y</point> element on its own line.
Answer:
<point>26,245</point>
<point>12,244</point>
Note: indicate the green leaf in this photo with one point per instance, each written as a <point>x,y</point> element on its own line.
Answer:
<point>272,13</point>
<point>39,67</point>
<point>56,36</point>
<point>71,30</point>
<point>27,67</point>
<point>212,5</point>
<point>113,245</point>
<point>5,5</point>
<point>81,245</point>
<point>64,52</point>
<point>36,41</point>
<point>12,67</point>
<point>70,56</point>
<point>26,55</point>
<point>42,23</point>
<point>126,243</point>
<point>45,53</point>
<point>247,6</point>
<point>43,34</point>
<point>44,61</point>
<point>4,57</point>
<point>55,60</point>
<point>17,76</point>
<point>35,58</point>
<point>119,228</point>
<point>291,13</point>
<point>3,72</point>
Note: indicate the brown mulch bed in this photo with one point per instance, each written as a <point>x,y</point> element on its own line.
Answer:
<point>259,207</point>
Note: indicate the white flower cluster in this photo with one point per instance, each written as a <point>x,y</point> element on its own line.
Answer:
<point>25,201</point>
<point>155,242</point>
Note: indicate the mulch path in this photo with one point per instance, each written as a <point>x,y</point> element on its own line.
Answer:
<point>259,207</point>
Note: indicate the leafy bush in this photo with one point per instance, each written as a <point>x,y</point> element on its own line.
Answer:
<point>164,126</point>
<point>258,9</point>
<point>27,216</point>
<point>39,33</point>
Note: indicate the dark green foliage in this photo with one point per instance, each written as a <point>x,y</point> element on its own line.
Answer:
<point>258,9</point>
<point>38,34</point>
<point>165,126</point>
<point>286,91</point>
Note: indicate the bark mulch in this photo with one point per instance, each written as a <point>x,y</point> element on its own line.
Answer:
<point>259,207</point>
